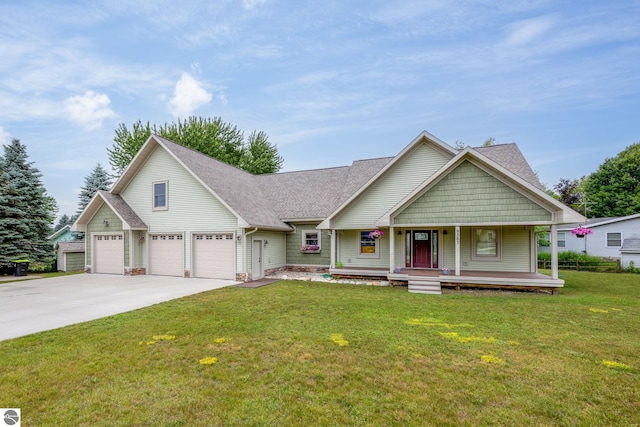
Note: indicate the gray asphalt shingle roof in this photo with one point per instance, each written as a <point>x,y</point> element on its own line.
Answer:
<point>124,210</point>
<point>72,246</point>
<point>631,244</point>
<point>510,157</point>
<point>266,200</point>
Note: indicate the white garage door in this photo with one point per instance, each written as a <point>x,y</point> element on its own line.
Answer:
<point>214,256</point>
<point>108,257</point>
<point>166,255</point>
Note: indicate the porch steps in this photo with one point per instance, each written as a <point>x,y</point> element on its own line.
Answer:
<point>425,285</point>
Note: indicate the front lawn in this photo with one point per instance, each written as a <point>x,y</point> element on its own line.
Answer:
<point>301,353</point>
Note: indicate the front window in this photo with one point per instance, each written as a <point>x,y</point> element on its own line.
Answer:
<point>614,239</point>
<point>368,245</point>
<point>311,241</point>
<point>486,243</point>
<point>160,195</point>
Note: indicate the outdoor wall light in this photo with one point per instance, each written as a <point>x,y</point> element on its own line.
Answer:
<point>444,232</point>
<point>266,242</point>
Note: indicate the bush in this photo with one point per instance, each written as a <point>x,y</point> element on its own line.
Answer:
<point>569,256</point>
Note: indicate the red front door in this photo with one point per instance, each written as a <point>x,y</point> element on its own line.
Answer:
<point>425,249</point>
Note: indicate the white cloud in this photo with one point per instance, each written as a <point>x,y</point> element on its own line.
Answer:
<point>89,110</point>
<point>189,95</point>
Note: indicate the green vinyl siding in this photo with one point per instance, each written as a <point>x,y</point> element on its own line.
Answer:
<point>348,241</point>
<point>295,256</point>
<point>97,225</point>
<point>191,208</point>
<point>470,195</point>
<point>413,169</point>
<point>74,261</point>
<point>515,250</point>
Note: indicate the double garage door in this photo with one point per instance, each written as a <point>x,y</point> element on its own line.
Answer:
<point>214,256</point>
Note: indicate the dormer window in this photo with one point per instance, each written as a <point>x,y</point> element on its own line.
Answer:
<point>160,196</point>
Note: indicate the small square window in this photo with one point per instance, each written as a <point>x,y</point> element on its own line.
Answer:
<point>311,241</point>
<point>160,195</point>
<point>614,239</point>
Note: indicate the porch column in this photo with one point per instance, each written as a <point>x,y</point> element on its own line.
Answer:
<point>392,249</point>
<point>554,251</point>
<point>333,249</point>
<point>457,250</point>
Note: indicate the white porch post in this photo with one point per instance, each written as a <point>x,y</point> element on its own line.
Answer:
<point>457,250</point>
<point>392,249</point>
<point>554,251</point>
<point>333,249</point>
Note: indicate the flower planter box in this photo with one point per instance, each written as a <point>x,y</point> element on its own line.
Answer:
<point>311,252</point>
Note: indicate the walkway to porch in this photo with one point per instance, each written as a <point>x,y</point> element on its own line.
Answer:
<point>430,281</point>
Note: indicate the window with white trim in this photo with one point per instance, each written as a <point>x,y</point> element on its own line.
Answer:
<point>311,241</point>
<point>486,243</point>
<point>367,245</point>
<point>160,195</point>
<point>562,239</point>
<point>614,240</point>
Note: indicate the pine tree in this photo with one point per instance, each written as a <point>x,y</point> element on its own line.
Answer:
<point>26,211</point>
<point>62,221</point>
<point>98,179</point>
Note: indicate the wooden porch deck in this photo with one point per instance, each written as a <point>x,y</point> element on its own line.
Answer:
<point>471,279</point>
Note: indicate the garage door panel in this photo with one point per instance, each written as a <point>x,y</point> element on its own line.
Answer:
<point>108,254</point>
<point>214,256</point>
<point>166,255</point>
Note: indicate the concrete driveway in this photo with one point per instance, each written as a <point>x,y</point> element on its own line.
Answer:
<point>31,306</point>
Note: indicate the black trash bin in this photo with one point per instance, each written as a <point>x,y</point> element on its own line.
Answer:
<point>21,267</point>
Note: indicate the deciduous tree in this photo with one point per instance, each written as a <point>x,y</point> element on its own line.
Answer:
<point>614,189</point>
<point>211,136</point>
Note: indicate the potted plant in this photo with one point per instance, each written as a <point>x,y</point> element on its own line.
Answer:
<point>376,234</point>
<point>581,231</point>
<point>311,249</point>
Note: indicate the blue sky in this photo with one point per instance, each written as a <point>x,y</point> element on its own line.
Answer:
<point>329,81</point>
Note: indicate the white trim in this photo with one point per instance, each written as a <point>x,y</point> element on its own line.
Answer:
<point>318,234</point>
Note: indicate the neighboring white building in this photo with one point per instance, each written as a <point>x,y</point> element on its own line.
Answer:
<point>631,251</point>
<point>605,241</point>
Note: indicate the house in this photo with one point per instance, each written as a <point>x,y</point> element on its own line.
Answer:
<point>630,252</point>
<point>70,255</point>
<point>62,235</point>
<point>469,213</point>
<point>606,240</point>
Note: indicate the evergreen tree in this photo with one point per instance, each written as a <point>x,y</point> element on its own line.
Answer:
<point>211,136</point>
<point>64,220</point>
<point>98,179</point>
<point>26,211</point>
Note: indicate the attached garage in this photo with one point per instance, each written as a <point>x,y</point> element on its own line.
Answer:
<point>108,253</point>
<point>166,255</point>
<point>214,256</point>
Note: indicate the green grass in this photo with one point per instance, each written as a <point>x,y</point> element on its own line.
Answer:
<point>300,353</point>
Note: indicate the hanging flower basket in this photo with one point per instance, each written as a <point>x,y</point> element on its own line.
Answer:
<point>376,234</point>
<point>581,231</point>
